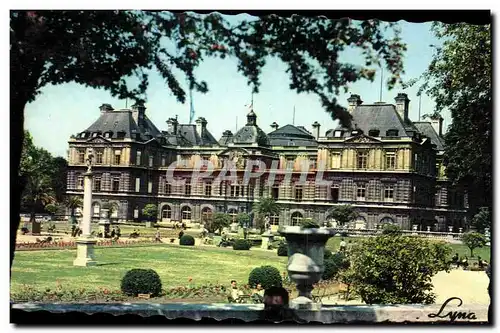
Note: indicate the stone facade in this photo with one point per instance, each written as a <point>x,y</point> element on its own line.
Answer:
<point>389,168</point>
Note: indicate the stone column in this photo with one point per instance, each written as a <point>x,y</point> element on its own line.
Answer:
<point>85,244</point>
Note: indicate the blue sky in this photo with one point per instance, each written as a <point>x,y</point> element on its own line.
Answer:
<point>63,110</point>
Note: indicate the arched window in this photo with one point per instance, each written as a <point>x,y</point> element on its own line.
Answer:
<point>166,212</point>
<point>206,214</point>
<point>96,208</point>
<point>387,220</point>
<point>114,211</point>
<point>360,223</point>
<point>296,218</point>
<point>186,213</point>
<point>233,213</point>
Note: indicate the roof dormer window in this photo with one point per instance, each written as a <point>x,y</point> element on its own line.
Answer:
<point>392,132</point>
<point>355,132</point>
<point>94,134</point>
<point>337,134</point>
<point>374,132</point>
<point>108,134</point>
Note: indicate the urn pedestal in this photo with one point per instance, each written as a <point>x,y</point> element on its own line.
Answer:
<point>267,238</point>
<point>306,249</point>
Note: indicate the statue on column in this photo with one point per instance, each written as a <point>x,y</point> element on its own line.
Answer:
<point>90,156</point>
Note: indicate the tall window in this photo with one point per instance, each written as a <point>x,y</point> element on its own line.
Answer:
<point>187,189</point>
<point>95,209</point>
<point>138,158</point>
<point>151,161</point>
<point>233,213</point>
<point>117,157</point>
<point>334,193</point>
<point>186,213</point>
<point>274,219</point>
<point>116,183</point>
<point>290,163</point>
<point>98,156</point>
<point>138,184</point>
<point>362,158</point>
<point>79,182</point>
<point>208,189</point>
<point>389,193</point>
<point>166,212</point>
<point>206,214</point>
<point>81,156</point>
<point>235,191</point>
<point>390,161</point>
<point>275,192</point>
<point>361,192</point>
<point>168,189</point>
<point>336,160</point>
<point>298,192</point>
<point>163,160</point>
<point>150,186</point>
<point>312,163</point>
<point>296,218</point>
<point>97,183</point>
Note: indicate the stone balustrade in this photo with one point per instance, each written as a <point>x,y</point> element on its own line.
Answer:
<point>451,237</point>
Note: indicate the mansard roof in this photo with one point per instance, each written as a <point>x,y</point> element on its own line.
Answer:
<point>188,132</point>
<point>379,116</point>
<point>428,130</point>
<point>290,135</point>
<point>250,133</point>
<point>121,121</point>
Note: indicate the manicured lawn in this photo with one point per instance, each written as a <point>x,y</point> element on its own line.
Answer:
<point>174,264</point>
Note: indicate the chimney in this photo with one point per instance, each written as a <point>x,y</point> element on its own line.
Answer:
<point>316,126</point>
<point>172,125</point>
<point>201,125</point>
<point>138,111</point>
<point>274,126</point>
<point>105,108</point>
<point>437,123</point>
<point>402,106</point>
<point>354,101</point>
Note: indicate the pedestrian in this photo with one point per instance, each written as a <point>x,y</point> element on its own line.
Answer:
<point>342,246</point>
<point>157,236</point>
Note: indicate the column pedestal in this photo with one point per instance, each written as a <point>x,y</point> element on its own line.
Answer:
<point>85,252</point>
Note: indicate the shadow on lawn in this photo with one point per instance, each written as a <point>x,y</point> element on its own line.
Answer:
<point>107,264</point>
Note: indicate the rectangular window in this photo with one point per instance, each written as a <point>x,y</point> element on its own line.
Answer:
<point>335,193</point>
<point>187,189</point>
<point>97,183</point>
<point>389,193</point>
<point>312,163</point>
<point>274,220</point>
<point>163,160</point>
<point>117,157</point>
<point>208,189</point>
<point>116,184</point>
<point>150,186</point>
<point>336,161</point>
<point>168,189</point>
<point>275,192</point>
<point>81,156</point>
<point>138,158</point>
<point>79,182</point>
<point>235,191</point>
<point>361,192</point>
<point>298,193</point>
<point>390,161</point>
<point>290,163</point>
<point>151,161</point>
<point>98,157</point>
<point>362,158</point>
<point>138,184</point>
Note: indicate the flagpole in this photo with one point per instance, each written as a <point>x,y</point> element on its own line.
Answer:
<point>293,119</point>
<point>381,80</point>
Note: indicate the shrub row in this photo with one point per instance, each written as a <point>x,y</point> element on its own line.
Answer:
<point>187,240</point>
<point>72,244</point>
<point>242,244</point>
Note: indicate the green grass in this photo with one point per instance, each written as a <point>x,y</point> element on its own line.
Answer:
<point>174,264</point>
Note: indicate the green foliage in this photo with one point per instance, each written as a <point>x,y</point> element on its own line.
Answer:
<point>267,276</point>
<point>327,254</point>
<point>141,281</point>
<point>482,220</point>
<point>343,214</point>
<point>309,224</point>
<point>459,81</point>
<point>473,240</point>
<point>218,221</point>
<point>392,269</point>
<point>267,207</point>
<point>243,219</point>
<point>283,249</point>
<point>187,240</point>
<point>333,265</point>
<point>391,229</point>
<point>51,208</point>
<point>151,212</point>
<point>242,244</point>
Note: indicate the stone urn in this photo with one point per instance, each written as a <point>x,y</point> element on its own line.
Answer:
<point>306,248</point>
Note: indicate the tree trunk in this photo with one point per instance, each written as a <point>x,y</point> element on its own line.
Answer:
<point>17,182</point>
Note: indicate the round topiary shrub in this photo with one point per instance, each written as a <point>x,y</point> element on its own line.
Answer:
<point>283,249</point>
<point>391,229</point>
<point>267,276</point>
<point>187,240</point>
<point>333,265</point>
<point>141,281</point>
<point>242,244</point>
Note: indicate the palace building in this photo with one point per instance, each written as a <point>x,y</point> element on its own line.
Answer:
<point>388,167</point>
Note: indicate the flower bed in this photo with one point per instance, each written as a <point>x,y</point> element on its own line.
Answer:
<point>72,244</point>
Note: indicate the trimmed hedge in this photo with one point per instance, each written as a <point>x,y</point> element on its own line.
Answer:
<point>187,240</point>
<point>267,276</point>
<point>141,281</point>
<point>242,244</point>
<point>283,249</point>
